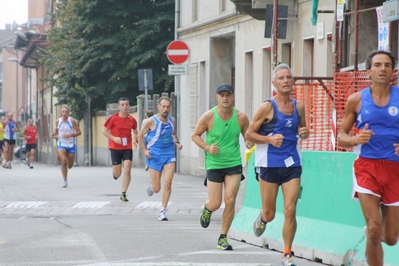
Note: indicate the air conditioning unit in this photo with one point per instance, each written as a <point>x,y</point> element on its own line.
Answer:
<point>35,22</point>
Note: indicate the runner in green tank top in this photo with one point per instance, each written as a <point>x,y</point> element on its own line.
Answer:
<point>225,133</point>
<point>223,125</point>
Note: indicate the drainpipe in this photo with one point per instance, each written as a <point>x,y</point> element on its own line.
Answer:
<point>356,53</point>
<point>390,36</point>
<point>337,43</point>
<point>275,31</point>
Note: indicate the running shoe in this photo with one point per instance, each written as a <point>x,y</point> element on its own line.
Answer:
<point>150,192</point>
<point>287,261</point>
<point>65,184</point>
<point>259,226</point>
<point>31,166</point>
<point>162,216</point>
<point>205,217</point>
<point>223,244</point>
<point>123,197</point>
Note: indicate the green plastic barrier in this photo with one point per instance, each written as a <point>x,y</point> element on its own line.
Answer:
<point>330,222</point>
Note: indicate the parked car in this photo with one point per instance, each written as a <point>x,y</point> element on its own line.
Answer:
<point>20,152</point>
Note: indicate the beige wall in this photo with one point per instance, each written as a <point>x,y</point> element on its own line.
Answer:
<point>10,70</point>
<point>37,8</point>
<point>197,11</point>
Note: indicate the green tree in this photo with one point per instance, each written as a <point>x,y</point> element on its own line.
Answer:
<point>97,46</point>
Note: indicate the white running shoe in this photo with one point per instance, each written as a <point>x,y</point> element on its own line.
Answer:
<point>150,192</point>
<point>162,216</point>
<point>259,226</point>
<point>65,183</point>
<point>287,261</point>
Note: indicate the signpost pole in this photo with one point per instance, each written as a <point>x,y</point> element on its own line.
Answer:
<point>145,90</point>
<point>177,83</point>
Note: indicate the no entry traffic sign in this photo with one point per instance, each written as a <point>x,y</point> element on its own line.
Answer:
<point>177,52</point>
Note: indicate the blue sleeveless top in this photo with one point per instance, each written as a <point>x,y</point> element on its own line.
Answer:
<point>384,122</point>
<point>160,139</point>
<point>8,133</point>
<point>289,154</point>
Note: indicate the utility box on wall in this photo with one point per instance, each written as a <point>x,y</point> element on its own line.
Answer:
<point>281,23</point>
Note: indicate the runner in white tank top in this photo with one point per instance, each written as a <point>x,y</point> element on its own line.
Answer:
<point>66,130</point>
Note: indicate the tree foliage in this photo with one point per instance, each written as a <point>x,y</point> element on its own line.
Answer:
<point>97,46</point>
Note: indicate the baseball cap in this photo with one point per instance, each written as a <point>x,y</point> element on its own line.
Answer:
<point>224,87</point>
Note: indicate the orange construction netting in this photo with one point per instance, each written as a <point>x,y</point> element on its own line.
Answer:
<point>316,97</point>
<point>325,102</point>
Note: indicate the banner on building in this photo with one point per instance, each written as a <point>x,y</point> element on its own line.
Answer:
<point>383,30</point>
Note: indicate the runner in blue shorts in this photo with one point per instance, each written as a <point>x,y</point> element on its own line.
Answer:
<point>66,130</point>
<point>160,151</point>
<point>277,128</point>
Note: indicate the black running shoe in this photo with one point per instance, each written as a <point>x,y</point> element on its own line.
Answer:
<point>205,217</point>
<point>123,197</point>
<point>223,244</point>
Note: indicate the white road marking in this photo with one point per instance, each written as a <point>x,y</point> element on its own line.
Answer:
<point>90,204</point>
<point>25,204</point>
<point>151,204</point>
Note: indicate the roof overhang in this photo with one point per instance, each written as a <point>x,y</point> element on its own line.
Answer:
<point>257,8</point>
<point>32,56</point>
<point>35,44</point>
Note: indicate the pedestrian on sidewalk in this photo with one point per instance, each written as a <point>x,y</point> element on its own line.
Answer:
<point>66,130</point>
<point>276,129</point>
<point>223,125</point>
<point>10,136</point>
<point>30,135</point>
<point>375,113</point>
<point>118,129</point>
<point>160,151</point>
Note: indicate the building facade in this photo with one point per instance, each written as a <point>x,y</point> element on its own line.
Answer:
<point>228,47</point>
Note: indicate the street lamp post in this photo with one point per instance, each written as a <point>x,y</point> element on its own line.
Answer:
<point>13,59</point>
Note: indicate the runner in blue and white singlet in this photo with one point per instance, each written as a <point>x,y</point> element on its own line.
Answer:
<point>289,154</point>
<point>160,151</point>
<point>66,130</point>
<point>160,141</point>
<point>276,128</point>
<point>10,135</point>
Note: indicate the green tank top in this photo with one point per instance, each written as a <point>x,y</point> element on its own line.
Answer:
<point>226,134</point>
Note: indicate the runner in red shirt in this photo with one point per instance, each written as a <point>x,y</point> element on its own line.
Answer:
<point>30,135</point>
<point>118,129</point>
